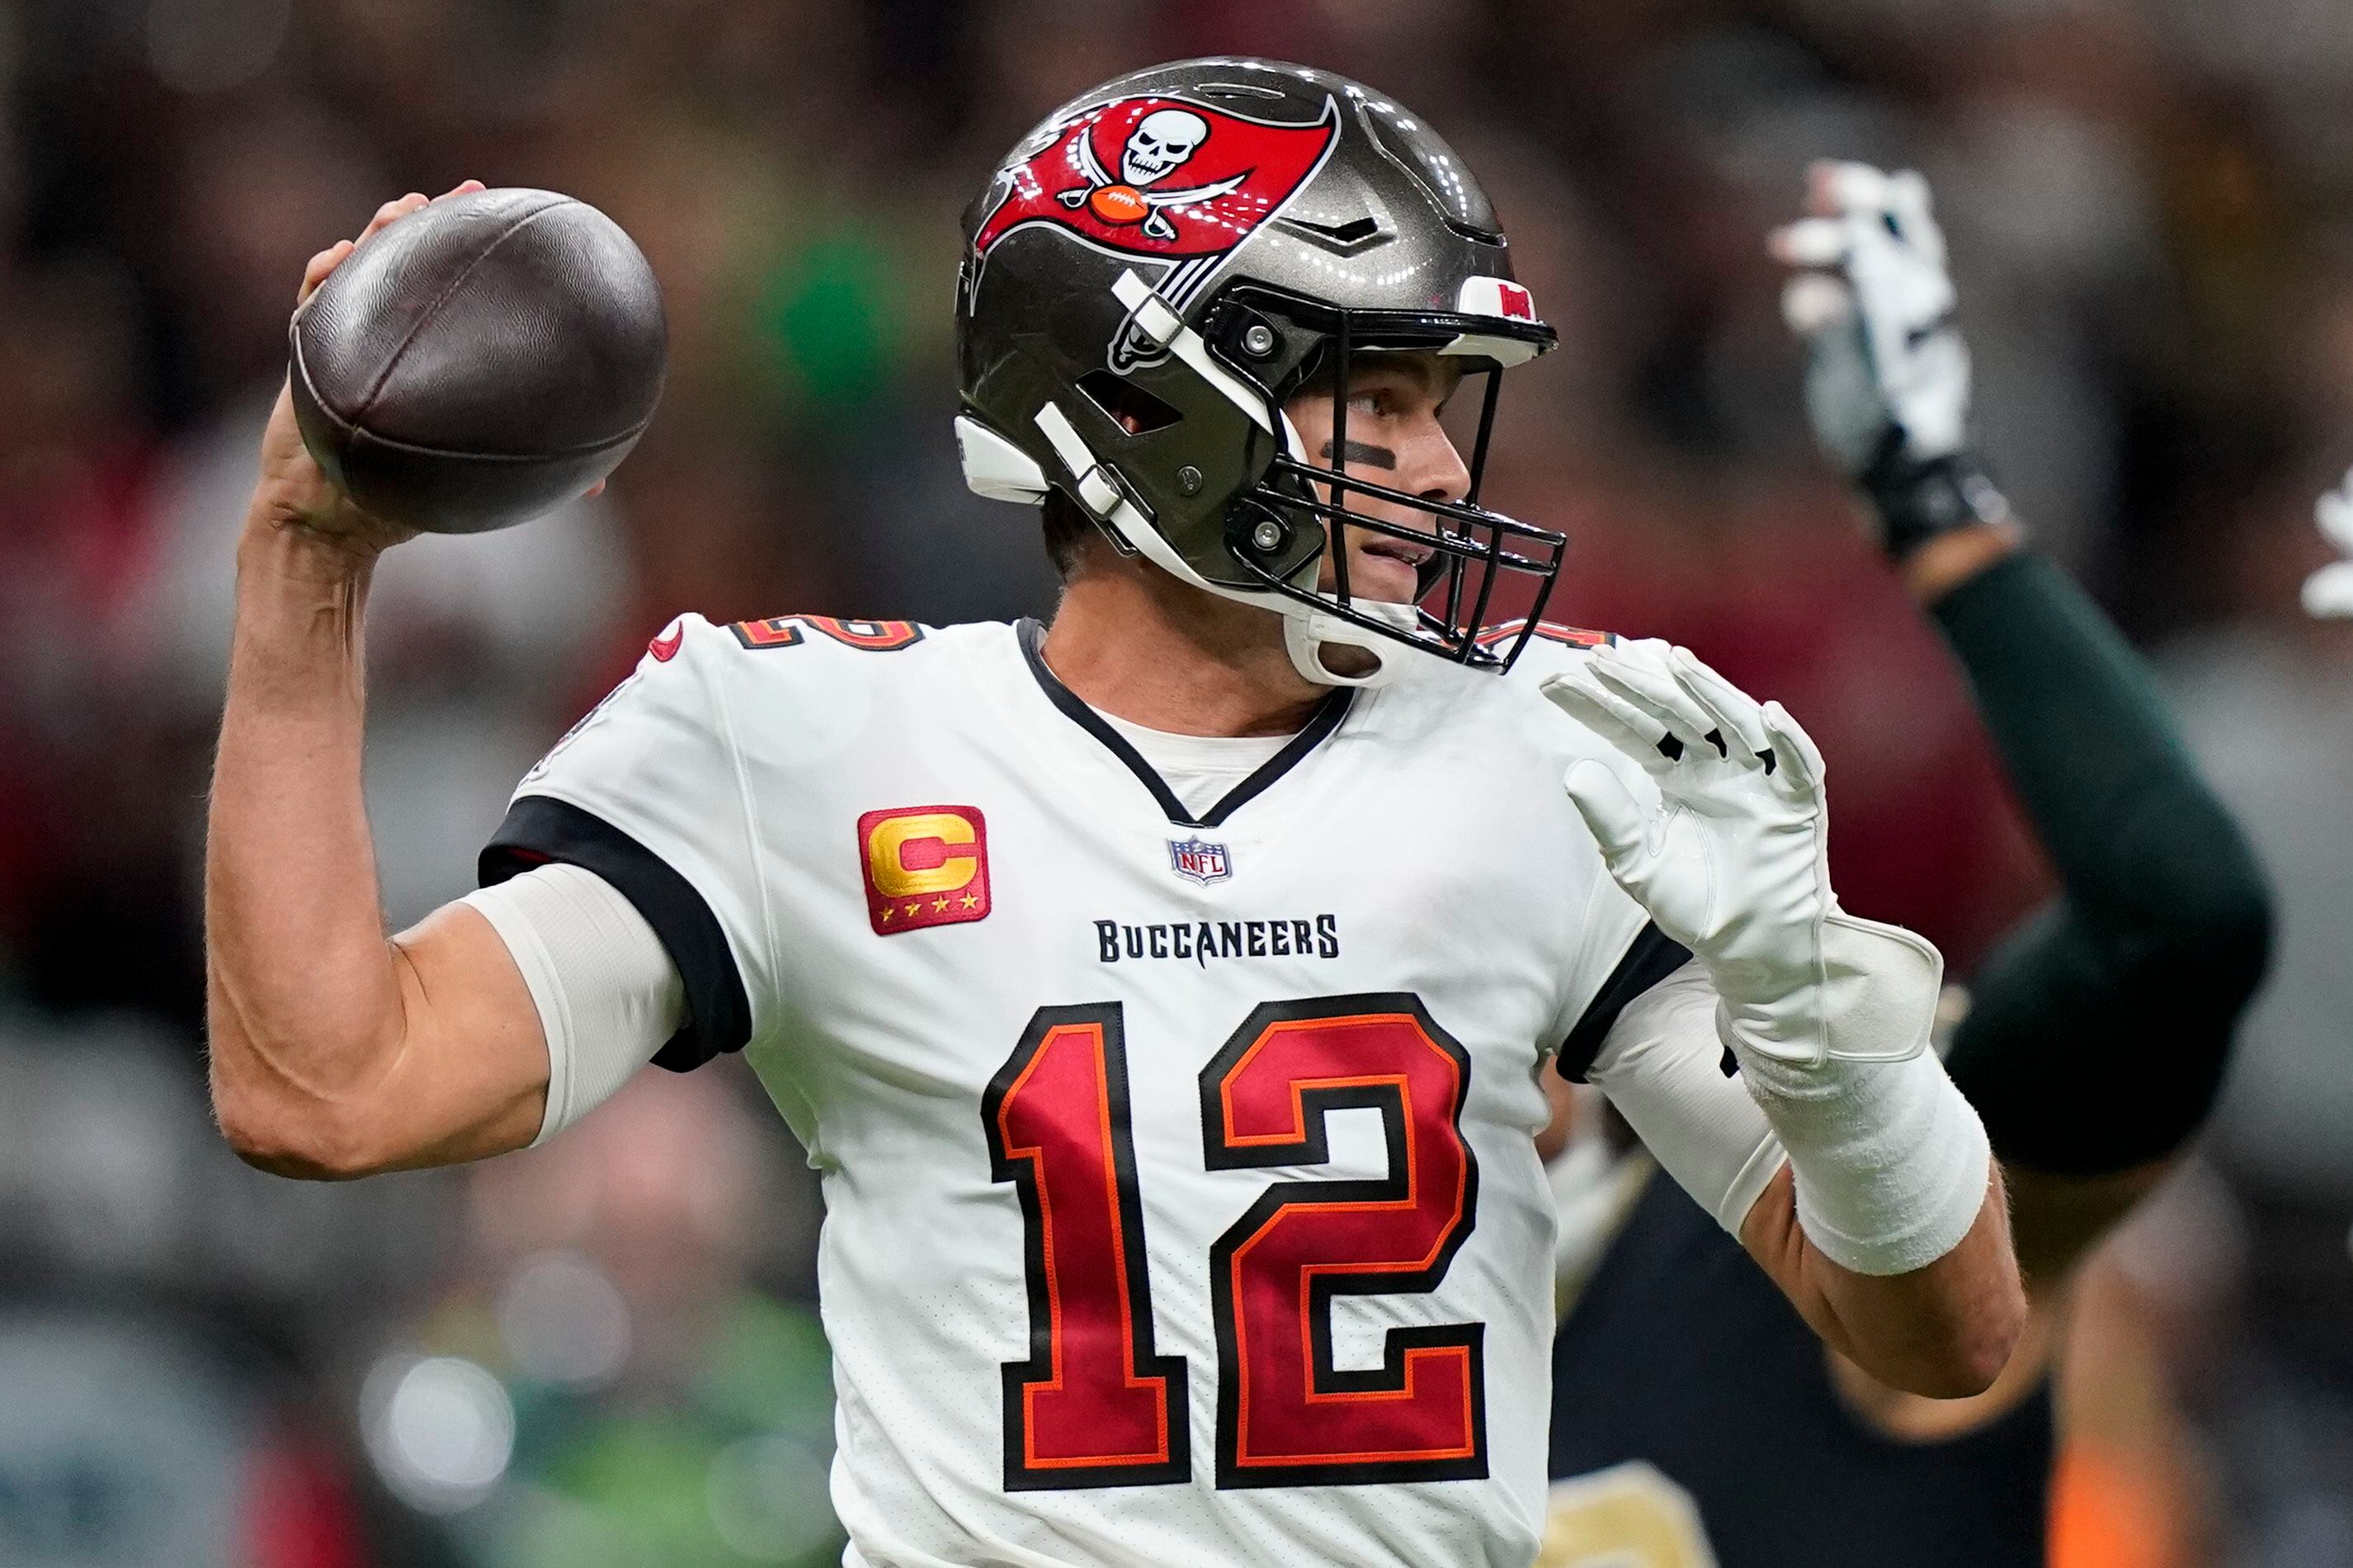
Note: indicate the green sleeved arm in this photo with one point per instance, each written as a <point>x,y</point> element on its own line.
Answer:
<point>2099,1030</point>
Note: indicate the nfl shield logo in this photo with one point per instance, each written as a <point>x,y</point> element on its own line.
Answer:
<point>1200,860</point>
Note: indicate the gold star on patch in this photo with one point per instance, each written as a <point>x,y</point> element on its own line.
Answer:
<point>971,902</point>
<point>940,905</point>
<point>916,907</point>
<point>887,912</point>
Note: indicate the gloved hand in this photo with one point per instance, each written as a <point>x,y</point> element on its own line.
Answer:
<point>2330,591</point>
<point>1732,861</point>
<point>1887,378</point>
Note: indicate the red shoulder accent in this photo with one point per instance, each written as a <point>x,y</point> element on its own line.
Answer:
<point>1550,631</point>
<point>785,631</point>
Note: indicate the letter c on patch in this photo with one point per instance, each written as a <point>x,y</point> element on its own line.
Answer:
<point>930,852</point>
<point>924,865</point>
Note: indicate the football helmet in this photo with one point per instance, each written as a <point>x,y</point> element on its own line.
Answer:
<point>1158,266</point>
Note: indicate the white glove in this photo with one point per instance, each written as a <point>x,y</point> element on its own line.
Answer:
<point>1828,1015</point>
<point>1884,352</point>
<point>2330,591</point>
<point>1733,862</point>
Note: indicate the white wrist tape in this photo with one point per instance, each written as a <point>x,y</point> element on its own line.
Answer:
<point>1662,1066</point>
<point>1892,1163</point>
<point>607,993</point>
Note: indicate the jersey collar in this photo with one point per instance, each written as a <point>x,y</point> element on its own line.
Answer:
<point>1326,718</point>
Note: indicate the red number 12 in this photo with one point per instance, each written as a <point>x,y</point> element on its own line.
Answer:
<point>1095,1405</point>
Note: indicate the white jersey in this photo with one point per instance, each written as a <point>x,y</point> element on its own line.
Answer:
<point>1181,1205</point>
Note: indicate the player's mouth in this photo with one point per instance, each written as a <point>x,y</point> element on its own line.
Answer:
<point>1414,555</point>
<point>1389,571</point>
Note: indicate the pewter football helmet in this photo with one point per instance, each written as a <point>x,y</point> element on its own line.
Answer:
<point>1158,266</point>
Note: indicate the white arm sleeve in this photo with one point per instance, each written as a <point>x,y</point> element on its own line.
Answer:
<point>1661,1066</point>
<point>606,991</point>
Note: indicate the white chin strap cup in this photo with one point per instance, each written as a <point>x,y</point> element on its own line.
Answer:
<point>1306,634</point>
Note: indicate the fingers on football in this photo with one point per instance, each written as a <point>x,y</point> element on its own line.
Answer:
<point>1798,765</point>
<point>1651,689</point>
<point>392,212</point>
<point>1736,714</point>
<point>1611,717</point>
<point>316,271</point>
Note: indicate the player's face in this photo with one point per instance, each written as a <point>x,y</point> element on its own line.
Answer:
<point>1396,439</point>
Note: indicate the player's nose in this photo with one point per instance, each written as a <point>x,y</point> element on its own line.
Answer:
<point>1436,470</point>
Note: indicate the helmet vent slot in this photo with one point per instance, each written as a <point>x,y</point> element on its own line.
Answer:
<point>1126,405</point>
<point>1236,90</point>
<point>1341,239</point>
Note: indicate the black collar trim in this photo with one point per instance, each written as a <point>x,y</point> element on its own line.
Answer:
<point>1326,718</point>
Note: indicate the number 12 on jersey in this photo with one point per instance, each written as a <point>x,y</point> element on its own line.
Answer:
<point>1095,1405</point>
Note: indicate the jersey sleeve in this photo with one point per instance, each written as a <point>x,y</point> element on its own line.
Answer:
<point>645,792</point>
<point>1662,1065</point>
<point>1621,955</point>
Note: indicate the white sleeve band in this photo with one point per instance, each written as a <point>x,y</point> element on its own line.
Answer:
<point>607,993</point>
<point>1662,1066</point>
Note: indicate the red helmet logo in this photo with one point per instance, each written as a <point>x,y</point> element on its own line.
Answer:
<point>1159,177</point>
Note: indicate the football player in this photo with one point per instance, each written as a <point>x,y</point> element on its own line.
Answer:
<point>1161,993</point>
<point>2094,1050</point>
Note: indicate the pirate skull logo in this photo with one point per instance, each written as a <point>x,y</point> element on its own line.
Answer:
<point>1162,139</point>
<point>1161,143</point>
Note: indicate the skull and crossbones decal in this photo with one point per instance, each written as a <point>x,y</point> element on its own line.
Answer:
<point>1160,144</point>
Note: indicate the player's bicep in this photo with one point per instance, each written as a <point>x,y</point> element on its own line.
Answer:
<point>470,1077</point>
<point>1661,1065</point>
<point>525,1007</point>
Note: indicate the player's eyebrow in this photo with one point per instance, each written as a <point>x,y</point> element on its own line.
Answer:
<point>1370,456</point>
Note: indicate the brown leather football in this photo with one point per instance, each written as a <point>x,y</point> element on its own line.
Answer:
<point>481,360</point>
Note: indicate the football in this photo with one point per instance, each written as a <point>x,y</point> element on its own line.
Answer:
<point>481,360</point>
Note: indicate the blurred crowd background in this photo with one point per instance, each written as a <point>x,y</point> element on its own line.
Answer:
<point>606,1351</point>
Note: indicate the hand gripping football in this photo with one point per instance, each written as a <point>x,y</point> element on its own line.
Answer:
<point>480,360</point>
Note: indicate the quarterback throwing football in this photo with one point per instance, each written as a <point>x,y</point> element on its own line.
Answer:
<point>1161,993</point>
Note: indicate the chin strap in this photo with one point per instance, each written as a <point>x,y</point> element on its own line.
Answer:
<point>1307,631</point>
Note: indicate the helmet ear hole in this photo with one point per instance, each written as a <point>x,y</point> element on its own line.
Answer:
<point>1126,405</point>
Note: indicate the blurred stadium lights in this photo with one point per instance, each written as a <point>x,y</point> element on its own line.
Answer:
<point>439,1429</point>
<point>769,1500</point>
<point>564,1322</point>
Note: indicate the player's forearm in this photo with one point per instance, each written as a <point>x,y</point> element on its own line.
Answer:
<point>2098,1034</point>
<point>304,1000</point>
<point>1945,1330</point>
<point>2089,745</point>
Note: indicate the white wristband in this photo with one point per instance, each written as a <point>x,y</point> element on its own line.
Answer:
<point>607,993</point>
<point>1892,1163</point>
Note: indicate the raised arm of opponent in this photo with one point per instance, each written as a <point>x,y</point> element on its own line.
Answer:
<point>2098,1032</point>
